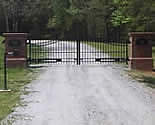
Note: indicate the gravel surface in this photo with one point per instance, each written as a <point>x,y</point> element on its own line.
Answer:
<point>85,95</point>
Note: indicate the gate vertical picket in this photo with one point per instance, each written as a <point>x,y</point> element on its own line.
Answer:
<point>78,52</point>
<point>127,58</point>
<point>30,52</point>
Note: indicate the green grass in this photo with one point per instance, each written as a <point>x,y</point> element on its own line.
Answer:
<point>1,49</point>
<point>37,51</point>
<point>114,50</point>
<point>1,62</point>
<point>17,78</point>
<point>153,54</point>
<point>146,77</point>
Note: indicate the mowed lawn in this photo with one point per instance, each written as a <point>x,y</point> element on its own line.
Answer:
<point>37,52</point>
<point>1,62</point>
<point>153,54</point>
<point>17,78</point>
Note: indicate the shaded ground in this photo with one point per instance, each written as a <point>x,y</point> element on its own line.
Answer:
<point>85,95</point>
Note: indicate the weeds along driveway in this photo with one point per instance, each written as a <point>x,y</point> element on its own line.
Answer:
<point>85,95</point>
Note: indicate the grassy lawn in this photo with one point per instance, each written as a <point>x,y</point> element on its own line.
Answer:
<point>37,52</point>
<point>17,78</point>
<point>146,77</point>
<point>153,55</point>
<point>1,62</point>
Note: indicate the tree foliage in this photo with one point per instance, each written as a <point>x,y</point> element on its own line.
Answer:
<point>110,19</point>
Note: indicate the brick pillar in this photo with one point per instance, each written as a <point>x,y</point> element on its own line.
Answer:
<point>140,51</point>
<point>16,49</point>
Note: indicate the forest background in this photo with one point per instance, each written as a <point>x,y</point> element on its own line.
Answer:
<point>92,19</point>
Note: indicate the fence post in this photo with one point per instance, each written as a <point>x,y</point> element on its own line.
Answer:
<point>5,73</point>
<point>5,89</point>
<point>29,56</point>
<point>127,54</point>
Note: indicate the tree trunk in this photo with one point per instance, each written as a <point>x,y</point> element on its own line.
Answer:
<point>106,31</point>
<point>6,18</point>
<point>7,23</point>
<point>91,26</point>
<point>16,26</point>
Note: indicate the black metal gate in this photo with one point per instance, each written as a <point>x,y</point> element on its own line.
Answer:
<point>76,52</point>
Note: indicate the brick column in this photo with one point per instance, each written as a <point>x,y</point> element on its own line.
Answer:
<point>16,49</point>
<point>140,51</point>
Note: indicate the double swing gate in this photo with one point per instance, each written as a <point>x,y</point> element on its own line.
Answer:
<point>76,52</point>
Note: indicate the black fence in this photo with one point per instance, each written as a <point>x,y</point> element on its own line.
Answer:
<point>77,51</point>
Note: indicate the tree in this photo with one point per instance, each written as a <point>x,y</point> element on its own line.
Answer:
<point>89,18</point>
<point>119,18</point>
<point>14,12</point>
<point>142,14</point>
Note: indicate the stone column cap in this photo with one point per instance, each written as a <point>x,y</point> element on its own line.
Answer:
<point>141,33</point>
<point>15,34</point>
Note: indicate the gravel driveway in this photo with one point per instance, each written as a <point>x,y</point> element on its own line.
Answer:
<point>85,95</point>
